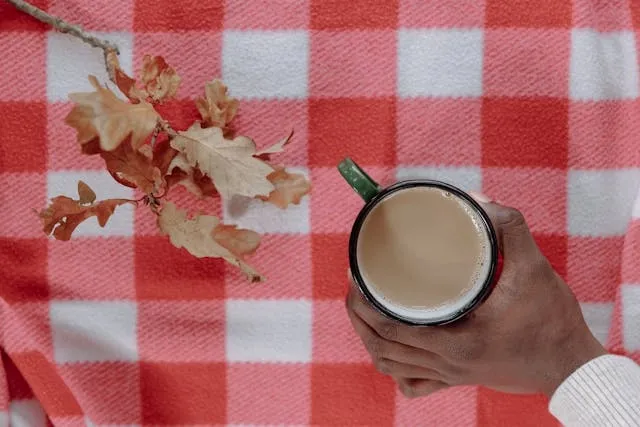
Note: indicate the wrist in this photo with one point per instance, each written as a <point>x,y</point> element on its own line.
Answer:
<point>571,355</point>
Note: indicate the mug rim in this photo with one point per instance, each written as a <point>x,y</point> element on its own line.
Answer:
<point>360,282</point>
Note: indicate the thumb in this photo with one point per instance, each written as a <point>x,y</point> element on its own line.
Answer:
<point>512,232</point>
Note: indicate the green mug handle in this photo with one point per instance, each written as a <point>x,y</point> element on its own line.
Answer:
<point>358,179</point>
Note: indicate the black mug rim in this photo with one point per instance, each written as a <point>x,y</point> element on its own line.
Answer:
<point>403,185</point>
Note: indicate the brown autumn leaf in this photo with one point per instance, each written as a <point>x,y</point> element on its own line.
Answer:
<point>159,81</point>
<point>133,168</point>
<point>239,241</point>
<point>231,164</point>
<point>180,172</point>
<point>216,108</point>
<point>278,147</point>
<point>85,193</point>
<point>126,84</point>
<point>101,114</point>
<point>289,188</point>
<point>197,236</point>
<point>63,215</point>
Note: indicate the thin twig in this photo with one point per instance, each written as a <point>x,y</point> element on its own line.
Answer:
<point>63,26</point>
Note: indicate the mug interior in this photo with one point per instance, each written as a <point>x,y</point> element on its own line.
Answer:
<point>427,317</point>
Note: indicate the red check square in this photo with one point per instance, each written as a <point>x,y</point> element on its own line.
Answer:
<point>555,248</point>
<point>524,132</point>
<point>330,263</point>
<point>51,391</point>
<point>22,281</point>
<point>258,15</point>
<point>184,278</point>
<point>353,392</point>
<point>441,13</point>
<point>114,15</point>
<point>188,15</point>
<point>435,409</point>
<point>371,121</point>
<point>183,393</point>
<point>360,15</point>
<point>22,122</point>
<point>501,409</point>
<point>16,20</point>
<point>539,14</point>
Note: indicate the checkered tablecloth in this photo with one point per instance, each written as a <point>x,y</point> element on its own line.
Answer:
<point>535,103</point>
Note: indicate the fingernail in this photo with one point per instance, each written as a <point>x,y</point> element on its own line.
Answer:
<point>480,197</point>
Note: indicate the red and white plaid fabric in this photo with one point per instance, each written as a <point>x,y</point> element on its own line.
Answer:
<point>535,103</point>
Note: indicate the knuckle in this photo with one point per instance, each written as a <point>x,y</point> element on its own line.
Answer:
<point>375,346</point>
<point>512,218</point>
<point>388,331</point>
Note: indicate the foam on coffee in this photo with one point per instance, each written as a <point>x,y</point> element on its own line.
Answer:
<point>423,252</point>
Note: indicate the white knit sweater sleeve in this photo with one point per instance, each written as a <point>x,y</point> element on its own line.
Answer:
<point>603,392</point>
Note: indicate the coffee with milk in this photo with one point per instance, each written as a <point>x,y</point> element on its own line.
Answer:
<point>423,252</point>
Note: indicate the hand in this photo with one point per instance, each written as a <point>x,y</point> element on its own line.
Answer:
<point>527,337</point>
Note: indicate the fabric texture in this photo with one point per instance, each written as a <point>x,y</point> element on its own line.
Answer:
<point>534,103</point>
<point>603,392</point>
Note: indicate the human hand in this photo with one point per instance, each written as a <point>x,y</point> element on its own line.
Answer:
<point>527,337</point>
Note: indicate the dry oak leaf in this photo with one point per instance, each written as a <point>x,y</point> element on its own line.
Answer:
<point>230,164</point>
<point>101,114</point>
<point>290,188</point>
<point>159,80</point>
<point>133,168</point>
<point>278,147</point>
<point>201,237</point>
<point>180,172</point>
<point>64,214</point>
<point>216,108</point>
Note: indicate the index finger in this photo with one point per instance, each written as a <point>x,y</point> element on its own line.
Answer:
<point>424,337</point>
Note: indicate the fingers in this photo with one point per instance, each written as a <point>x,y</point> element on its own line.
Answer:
<point>391,330</point>
<point>384,350</point>
<point>512,232</point>
<point>405,370</point>
<point>412,387</point>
